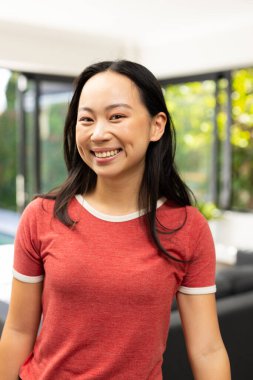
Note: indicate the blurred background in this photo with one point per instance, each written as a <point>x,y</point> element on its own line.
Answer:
<point>201,52</point>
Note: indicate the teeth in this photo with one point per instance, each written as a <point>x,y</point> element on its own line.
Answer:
<point>106,154</point>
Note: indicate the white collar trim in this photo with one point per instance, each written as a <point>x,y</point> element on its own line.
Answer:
<point>113,218</point>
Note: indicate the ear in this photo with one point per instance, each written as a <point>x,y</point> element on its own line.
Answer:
<point>157,126</point>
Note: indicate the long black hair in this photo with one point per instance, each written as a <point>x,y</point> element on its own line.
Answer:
<point>160,178</point>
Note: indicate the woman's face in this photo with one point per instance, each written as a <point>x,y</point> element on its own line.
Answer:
<point>114,128</point>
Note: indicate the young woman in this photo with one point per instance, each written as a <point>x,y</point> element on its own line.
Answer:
<point>102,257</point>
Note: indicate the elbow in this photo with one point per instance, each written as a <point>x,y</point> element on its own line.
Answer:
<point>211,362</point>
<point>209,350</point>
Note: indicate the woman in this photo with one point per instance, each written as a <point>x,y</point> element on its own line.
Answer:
<point>102,257</point>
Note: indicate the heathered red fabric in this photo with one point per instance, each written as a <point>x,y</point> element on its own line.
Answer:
<point>107,289</point>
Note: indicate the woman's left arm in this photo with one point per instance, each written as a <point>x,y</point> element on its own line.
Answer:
<point>206,351</point>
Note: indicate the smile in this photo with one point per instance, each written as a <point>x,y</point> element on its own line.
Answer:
<point>109,153</point>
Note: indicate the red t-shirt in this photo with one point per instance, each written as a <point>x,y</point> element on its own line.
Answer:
<point>107,289</point>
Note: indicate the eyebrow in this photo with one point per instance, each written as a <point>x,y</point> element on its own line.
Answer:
<point>111,106</point>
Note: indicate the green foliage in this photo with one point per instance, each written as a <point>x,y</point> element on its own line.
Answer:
<point>209,210</point>
<point>242,139</point>
<point>8,149</point>
<point>192,108</point>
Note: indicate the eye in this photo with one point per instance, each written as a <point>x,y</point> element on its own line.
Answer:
<point>85,119</point>
<point>117,116</point>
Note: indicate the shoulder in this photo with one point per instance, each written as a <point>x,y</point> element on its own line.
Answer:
<point>37,209</point>
<point>196,219</point>
<point>188,225</point>
<point>39,205</point>
<point>189,217</point>
<point>39,214</point>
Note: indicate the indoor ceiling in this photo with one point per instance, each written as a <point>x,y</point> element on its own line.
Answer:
<point>173,38</point>
<point>144,21</point>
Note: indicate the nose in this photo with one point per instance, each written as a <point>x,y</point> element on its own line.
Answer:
<point>100,132</point>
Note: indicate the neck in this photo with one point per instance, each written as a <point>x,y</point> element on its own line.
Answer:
<point>115,197</point>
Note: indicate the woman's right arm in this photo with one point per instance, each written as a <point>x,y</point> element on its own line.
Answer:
<point>21,327</point>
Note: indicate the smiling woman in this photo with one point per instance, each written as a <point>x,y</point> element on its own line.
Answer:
<point>121,229</point>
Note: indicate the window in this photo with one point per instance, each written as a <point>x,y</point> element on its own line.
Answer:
<point>213,118</point>
<point>44,102</point>
<point>192,106</point>
<point>54,98</point>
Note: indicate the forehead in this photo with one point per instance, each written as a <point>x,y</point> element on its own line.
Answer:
<point>110,86</point>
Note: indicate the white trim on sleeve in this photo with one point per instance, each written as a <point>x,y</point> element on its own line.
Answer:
<point>202,290</point>
<point>29,279</point>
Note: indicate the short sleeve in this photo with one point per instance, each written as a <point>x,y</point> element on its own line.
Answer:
<point>200,272</point>
<point>28,266</point>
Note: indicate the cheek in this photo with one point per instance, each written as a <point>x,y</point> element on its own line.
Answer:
<point>80,143</point>
<point>84,155</point>
<point>81,138</point>
<point>138,131</point>
<point>144,129</point>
